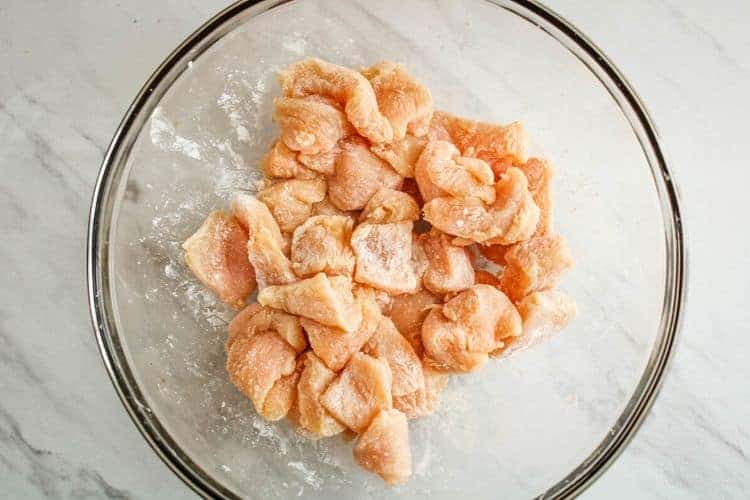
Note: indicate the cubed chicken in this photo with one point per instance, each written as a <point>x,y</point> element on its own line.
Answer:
<point>358,175</point>
<point>514,215</point>
<point>539,174</point>
<point>389,206</point>
<point>310,125</point>
<point>347,87</point>
<point>271,266</point>
<point>425,401</point>
<point>384,447</point>
<point>512,218</point>
<point>543,314</point>
<point>441,171</point>
<point>486,141</point>
<point>217,255</point>
<point>383,254</point>
<point>406,368</point>
<point>266,247</point>
<point>534,265</point>
<point>256,362</point>
<point>281,162</point>
<point>291,201</point>
<point>408,312</point>
<point>315,379</point>
<point>460,335</point>
<point>401,155</point>
<point>362,389</point>
<point>405,102</point>
<point>256,318</point>
<point>449,267</point>
<point>253,214</point>
<point>327,300</point>
<point>335,347</point>
<point>322,244</point>
<point>282,396</point>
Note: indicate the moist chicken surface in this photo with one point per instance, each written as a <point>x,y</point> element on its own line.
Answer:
<point>358,174</point>
<point>217,255</point>
<point>391,245</point>
<point>322,244</point>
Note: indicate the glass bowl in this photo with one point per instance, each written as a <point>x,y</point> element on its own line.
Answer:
<point>544,422</point>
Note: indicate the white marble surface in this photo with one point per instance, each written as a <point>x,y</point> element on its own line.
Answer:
<point>69,73</point>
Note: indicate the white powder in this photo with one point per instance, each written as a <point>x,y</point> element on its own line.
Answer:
<point>308,475</point>
<point>164,136</point>
<point>295,45</point>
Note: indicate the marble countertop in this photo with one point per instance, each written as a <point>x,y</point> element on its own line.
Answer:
<point>68,77</point>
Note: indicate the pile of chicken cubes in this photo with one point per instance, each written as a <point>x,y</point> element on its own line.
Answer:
<point>365,245</point>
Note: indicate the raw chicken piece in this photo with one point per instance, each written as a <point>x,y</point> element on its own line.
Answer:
<point>313,382</point>
<point>388,206</point>
<point>321,244</point>
<point>534,265</point>
<point>271,265</point>
<point>425,401</point>
<point>217,255</point>
<point>484,309</point>
<point>380,297</point>
<point>383,254</point>
<point>281,162</point>
<point>384,447</point>
<point>500,166</point>
<point>471,325</point>
<point>512,218</point>
<point>543,314</point>
<point>404,101</point>
<point>256,362</point>
<point>539,174</point>
<point>406,369</point>
<point>327,300</point>
<point>290,201</point>
<point>345,86</point>
<point>256,318</point>
<point>335,347</point>
<point>266,247</point>
<point>408,313</point>
<point>282,396</point>
<point>310,125</point>
<point>359,174</point>
<point>486,278</point>
<point>486,141</point>
<point>449,267</point>
<point>446,345</point>
<point>515,211</point>
<point>401,155</point>
<point>441,171</point>
<point>253,214</point>
<point>362,389</point>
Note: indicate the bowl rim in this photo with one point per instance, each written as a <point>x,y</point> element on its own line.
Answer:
<point>675,286</point>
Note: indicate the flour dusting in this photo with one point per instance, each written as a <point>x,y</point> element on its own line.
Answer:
<point>164,136</point>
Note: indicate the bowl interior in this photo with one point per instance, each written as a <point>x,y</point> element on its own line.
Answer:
<point>518,426</point>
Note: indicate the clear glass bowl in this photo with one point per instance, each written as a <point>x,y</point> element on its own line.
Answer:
<point>545,422</point>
